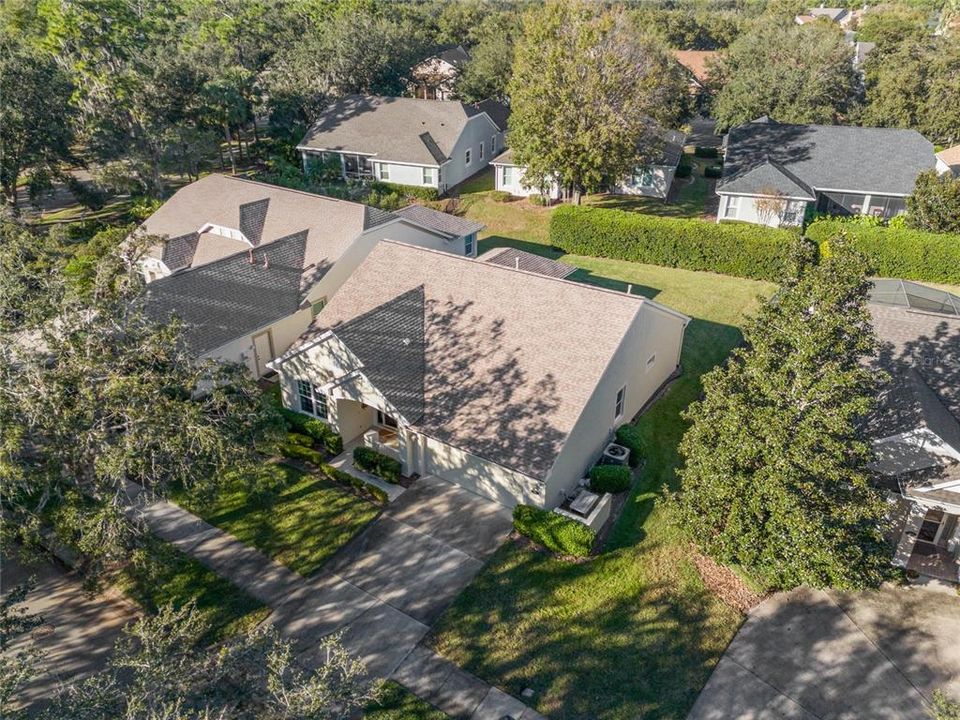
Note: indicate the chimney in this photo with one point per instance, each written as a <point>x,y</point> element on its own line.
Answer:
<point>250,255</point>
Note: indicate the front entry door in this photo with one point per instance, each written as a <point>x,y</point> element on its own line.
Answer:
<point>263,352</point>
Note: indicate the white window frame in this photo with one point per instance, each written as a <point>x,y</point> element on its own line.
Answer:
<point>507,169</point>
<point>493,145</point>
<point>621,403</point>
<point>317,400</point>
<point>467,157</point>
<point>384,171</point>
<point>481,150</point>
<point>732,208</point>
<point>468,243</point>
<point>427,176</point>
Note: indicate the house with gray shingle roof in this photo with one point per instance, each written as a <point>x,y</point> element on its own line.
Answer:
<point>506,381</point>
<point>245,265</point>
<point>775,172</point>
<point>428,143</point>
<point>915,427</point>
<point>435,77</point>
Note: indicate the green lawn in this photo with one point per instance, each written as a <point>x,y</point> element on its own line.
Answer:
<point>398,703</point>
<point>634,632</point>
<point>294,517</point>
<point>159,574</point>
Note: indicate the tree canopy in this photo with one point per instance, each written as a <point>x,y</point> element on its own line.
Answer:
<point>586,93</point>
<point>775,474</point>
<point>792,73</point>
<point>935,203</point>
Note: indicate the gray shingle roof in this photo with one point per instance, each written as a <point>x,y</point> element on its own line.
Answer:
<point>921,353</point>
<point>766,178</point>
<point>827,157</point>
<point>493,383</point>
<point>440,221</point>
<point>455,55</point>
<point>528,262</point>
<point>231,297</point>
<point>423,132</point>
<point>266,210</point>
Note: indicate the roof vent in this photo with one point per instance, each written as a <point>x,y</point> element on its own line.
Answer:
<point>250,255</point>
<point>266,261</point>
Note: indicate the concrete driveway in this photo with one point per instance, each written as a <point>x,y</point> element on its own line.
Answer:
<point>386,587</point>
<point>810,654</point>
<point>79,630</point>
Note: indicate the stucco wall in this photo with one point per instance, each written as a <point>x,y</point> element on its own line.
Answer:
<point>284,332</point>
<point>747,212</point>
<point>654,332</point>
<point>662,179</point>
<point>516,186</point>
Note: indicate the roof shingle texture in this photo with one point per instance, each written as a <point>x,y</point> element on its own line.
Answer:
<point>827,157</point>
<point>273,211</point>
<point>440,221</point>
<point>423,132</point>
<point>493,382</point>
<point>528,262</point>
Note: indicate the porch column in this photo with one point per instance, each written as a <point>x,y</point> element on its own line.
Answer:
<point>908,537</point>
<point>409,439</point>
<point>865,210</point>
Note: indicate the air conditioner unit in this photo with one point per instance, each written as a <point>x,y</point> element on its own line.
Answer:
<point>615,454</point>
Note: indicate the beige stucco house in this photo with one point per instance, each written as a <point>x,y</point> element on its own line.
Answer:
<point>493,373</point>
<point>246,265</point>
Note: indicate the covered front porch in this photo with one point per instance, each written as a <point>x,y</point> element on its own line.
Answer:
<point>930,543</point>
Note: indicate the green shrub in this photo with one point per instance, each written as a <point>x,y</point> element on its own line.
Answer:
<point>295,438</point>
<point>414,191</point>
<point>555,532</point>
<point>377,463</point>
<point>743,250</point>
<point>684,170</point>
<point>896,252</point>
<point>713,171</point>
<point>629,437</point>
<point>345,478</point>
<point>542,200</point>
<point>317,429</point>
<point>609,478</point>
<point>299,452</point>
<point>500,196</point>
<point>706,152</point>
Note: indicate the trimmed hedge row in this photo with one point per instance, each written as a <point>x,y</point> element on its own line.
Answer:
<point>316,429</point>
<point>377,463</point>
<point>743,250</point>
<point>629,437</point>
<point>555,532</point>
<point>299,447</point>
<point>413,191</point>
<point>347,479</point>
<point>895,251</point>
<point>609,478</point>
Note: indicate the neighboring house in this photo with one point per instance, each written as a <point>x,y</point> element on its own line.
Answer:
<point>860,52</point>
<point>656,178</point>
<point>774,172</point>
<point>695,62</point>
<point>246,265</point>
<point>435,77</point>
<point>841,16</point>
<point>431,143</point>
<point>509,177</point>
<point>948,161</point>
<point>452,365</point>
<point>651,180</point>
<point>916,426</point>
<point>462,232</point>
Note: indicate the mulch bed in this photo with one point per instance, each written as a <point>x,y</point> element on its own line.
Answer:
<point>725,583</point>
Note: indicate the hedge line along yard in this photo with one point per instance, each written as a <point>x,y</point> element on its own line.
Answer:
<point>897,252</point>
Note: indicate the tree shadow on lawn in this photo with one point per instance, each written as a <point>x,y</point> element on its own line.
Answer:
<point>618,636</point>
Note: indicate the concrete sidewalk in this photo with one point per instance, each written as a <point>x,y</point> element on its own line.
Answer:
<point>383,593</point>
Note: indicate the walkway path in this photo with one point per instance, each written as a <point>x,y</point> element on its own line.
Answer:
<point>811,655</point>
<point>403,569</point>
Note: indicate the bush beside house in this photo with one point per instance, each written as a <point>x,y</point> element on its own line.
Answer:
<point>609,478</point>
<point>743,250</point>
<point>629,437</point>
<point>555,532</point>
<point>345,478</point>
<point>315,429</point>
<point>412,191</point>
<point>897,252</point>
<point>376,463</point>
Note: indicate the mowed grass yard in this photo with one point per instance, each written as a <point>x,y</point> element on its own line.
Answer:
<point>296,518</point>
<point>634,632</point>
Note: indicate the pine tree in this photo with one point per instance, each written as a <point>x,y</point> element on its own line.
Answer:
<point>775,476</point>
